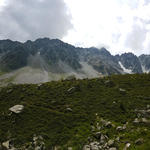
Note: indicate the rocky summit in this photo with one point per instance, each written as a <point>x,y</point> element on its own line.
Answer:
<point>47,59</point>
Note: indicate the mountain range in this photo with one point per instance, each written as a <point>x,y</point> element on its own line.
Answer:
<point>47,59</point>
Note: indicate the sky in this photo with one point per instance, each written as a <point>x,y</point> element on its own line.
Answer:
<point>118,25</point>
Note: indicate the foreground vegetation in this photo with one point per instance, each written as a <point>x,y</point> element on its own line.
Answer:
<point>68,113</point>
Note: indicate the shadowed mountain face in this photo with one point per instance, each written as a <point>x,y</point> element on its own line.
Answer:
<point>52,51</point>
<point>145,62</point>
<point>130,62</point>
<point>62,60</point>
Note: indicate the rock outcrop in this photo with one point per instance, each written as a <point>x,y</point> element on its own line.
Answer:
<point>17,109</point>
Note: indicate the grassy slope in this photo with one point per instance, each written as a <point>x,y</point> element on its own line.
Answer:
<point>46,111</point>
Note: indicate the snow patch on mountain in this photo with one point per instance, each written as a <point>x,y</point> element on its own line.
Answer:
<point>145,70</point>
<point>125,69</point>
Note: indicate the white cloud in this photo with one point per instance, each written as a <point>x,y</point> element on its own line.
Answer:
<point>2,4</point>
<point>121,25</point>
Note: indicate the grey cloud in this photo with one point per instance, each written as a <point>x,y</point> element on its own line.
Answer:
<point>132,3</point>
<point>144,22</point>
<point>146,2</point>
<point>136,38</point>
<point>30,19</point>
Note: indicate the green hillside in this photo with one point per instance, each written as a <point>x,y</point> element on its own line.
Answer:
<point>112,111</point>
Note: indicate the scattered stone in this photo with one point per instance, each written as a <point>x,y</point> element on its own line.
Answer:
<point>98,135</point>
<point>105,146</point>
<point>100,147</point>
<point>57,148</point>
<point>148,111</point>
<point>139,141</point>
<point>148,106</point>
<point>69,148</point>
<point>37,148</point>
<point>39,86</point>
<point>127,123</point>
<point>120,128</point>
<point>103,139</point>
<point>17,109</point>
<point>103,121</point>
<point>94,146</point>
<point>6,144</point>
<point>141,111</point>
<point>35,138</point>
<point>138,115</point>
<point>108,124</point>
<point>113,148</point>
<point>136,121</point>
<point>93,128</point>
<point>111,143</point>
<point>89,139</point>
<point>86,147</point>
<point>10,114</point>
<point>9,91</point>
<point>69,109</point>
<point>127,146</point>
<point>144,120</point>
<point>114,102</point>
<point>98,126</point>
<point>113,125</point>
<point>118,139</point>
<point>71,89</point>
<point>109,83</point>
<point>124,127</point>
<point>122,91</point>
<point>38,143</point>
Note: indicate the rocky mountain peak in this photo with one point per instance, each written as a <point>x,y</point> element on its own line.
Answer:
<point>54,56</point>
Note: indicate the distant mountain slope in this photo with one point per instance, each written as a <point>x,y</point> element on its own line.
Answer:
<point>130,62</point>
<point>64,60</point>
<point>145,62</point>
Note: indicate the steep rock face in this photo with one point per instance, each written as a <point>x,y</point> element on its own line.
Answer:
<point>130,62</point>
<point>145,62</point>
<point>107,64</point>
<point>14,59</point>
<point>101,60</point>
<point>58,57</point>
<point>8,45</point>
<point>52,51</point>
<point>52,57</point>
<point>55,50</point>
